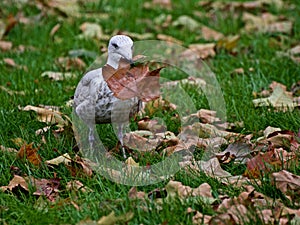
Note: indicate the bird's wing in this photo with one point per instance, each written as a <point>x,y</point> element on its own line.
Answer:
<point>86,94</point>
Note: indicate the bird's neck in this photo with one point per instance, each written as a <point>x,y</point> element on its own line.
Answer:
<point>113,60</point>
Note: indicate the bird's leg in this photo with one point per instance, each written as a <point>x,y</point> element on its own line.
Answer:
<point>91,136</point>
<point>120,137</point>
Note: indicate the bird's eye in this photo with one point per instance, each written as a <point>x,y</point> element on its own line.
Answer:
<point>115,45</point>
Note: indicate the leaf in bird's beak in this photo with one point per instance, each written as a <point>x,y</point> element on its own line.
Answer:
<point>138,81</point>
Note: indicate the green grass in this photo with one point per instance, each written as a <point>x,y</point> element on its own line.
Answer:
<point>254,51</point>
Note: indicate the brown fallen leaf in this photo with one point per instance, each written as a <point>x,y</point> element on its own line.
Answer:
<point>205,116</point>
<point>5,45</point>
<point>210,34</point>
<point>10,62</point>
<point>10,23</point>
<point>265,162</point>
<point>239,152</point>
<point>112,219</point>
<point>126,82</point>
<point>287,182</point>
<point>292,53</point>
<point>80,167</point>
<point>67,8</point>
<point>213,168</point>
<point>205,130</point>
<point>68,63</point>
<point>199,218</point>
<point>153,125</point>
<point>47,187</point>
<point>278,138</point>
<point>16,182</point>
<point>266,23</point>
<point>177,189</point>
<point>141,140</point>
<point>133,193</point>
<point>202,51</point>
<point>31,154</point>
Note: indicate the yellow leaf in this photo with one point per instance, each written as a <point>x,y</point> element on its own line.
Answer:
<point>112,219</point>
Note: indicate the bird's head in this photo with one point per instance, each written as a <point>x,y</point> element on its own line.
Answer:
<point>120,46</point>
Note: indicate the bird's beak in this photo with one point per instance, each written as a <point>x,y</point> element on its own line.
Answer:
<point>129,61</point>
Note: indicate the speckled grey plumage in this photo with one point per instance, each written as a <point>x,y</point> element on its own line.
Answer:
<point>94,102</point>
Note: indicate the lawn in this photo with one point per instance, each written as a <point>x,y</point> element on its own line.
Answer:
<point>251,57</point>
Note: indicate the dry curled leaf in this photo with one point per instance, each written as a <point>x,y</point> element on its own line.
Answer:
<point>65,159</point>
<point>141,140</point>
<point>16,182</point>
<point>286,181</point>
<point>31,154</point>
<point>153,125</point>
<point>49,115</point>
<point>240,152</point>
